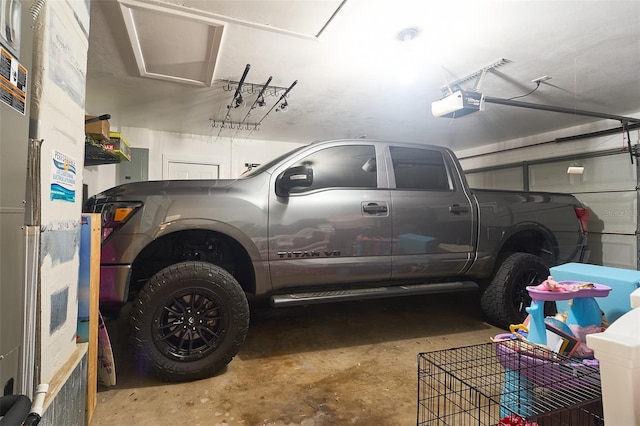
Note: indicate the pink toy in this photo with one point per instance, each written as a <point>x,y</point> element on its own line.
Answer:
<point>552,285</point>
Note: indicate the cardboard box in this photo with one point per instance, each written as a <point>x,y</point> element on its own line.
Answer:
<point>99,130</point>
<point>118,146</point>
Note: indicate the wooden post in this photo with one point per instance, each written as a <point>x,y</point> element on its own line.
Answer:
<point>92,356</point>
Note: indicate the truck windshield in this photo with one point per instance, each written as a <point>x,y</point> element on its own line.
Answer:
<point>262,167</point>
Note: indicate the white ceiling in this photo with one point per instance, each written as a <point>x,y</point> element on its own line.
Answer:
<point>349,77</point>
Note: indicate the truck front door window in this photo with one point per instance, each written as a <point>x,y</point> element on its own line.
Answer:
<point>350,166</point>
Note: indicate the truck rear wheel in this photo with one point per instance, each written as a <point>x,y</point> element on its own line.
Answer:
<point>506,297</point>
<point>189,321</point>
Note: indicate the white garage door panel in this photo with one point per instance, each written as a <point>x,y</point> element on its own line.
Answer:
<point>607,187</point>
<point>607,173</point>
<point>497,179</point>
<point>186,170</point>
<point>611,212</point>
<point>617,251</point>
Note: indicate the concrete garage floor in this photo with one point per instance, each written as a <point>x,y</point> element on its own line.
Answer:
<point>350,363</point>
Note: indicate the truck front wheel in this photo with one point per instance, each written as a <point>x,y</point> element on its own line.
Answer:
<point>189,321</point>
<point>506,297</point>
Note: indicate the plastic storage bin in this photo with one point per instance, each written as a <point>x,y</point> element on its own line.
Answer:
<point>618,350</point>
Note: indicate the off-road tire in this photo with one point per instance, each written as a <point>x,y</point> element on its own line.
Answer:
<point>505,298</point>
<point>189,321</point>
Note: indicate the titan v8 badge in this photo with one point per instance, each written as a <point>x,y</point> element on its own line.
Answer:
<point>312,253</point>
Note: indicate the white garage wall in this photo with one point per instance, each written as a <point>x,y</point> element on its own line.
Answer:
<point>607,186</point>
<point>230,154</point>
<point>99,178</point>
<point>61,46</point>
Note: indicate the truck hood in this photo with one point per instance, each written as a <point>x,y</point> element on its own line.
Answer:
<point>166,186</point>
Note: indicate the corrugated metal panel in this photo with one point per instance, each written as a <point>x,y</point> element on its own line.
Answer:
<point>69,401</point>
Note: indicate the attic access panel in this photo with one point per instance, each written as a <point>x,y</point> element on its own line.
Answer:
<point>297,18</point>
<point>172,43</point>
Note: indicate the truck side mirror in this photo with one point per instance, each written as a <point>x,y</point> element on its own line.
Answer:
<point>298,176</point>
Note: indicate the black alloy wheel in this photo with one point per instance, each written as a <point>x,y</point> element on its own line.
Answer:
<point>190,324</point>
<point>189,321</point>
<point>506,298</point>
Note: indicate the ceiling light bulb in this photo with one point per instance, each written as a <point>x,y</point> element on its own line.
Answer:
<point>408,34</point>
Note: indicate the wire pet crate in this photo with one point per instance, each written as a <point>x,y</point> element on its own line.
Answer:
<point>507,383</point>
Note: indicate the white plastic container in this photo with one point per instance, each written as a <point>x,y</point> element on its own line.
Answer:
<point>618,351</point>
<point>635,299</point>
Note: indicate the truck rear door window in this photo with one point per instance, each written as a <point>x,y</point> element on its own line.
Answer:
<point>416,168</point>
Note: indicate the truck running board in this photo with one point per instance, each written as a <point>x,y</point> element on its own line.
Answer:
<point>370,293</point>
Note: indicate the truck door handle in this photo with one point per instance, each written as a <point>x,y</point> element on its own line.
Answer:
<point>374,208</point>
<point>457,209</point>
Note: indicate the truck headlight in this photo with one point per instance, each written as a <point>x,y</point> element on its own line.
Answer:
<point>115,215</point>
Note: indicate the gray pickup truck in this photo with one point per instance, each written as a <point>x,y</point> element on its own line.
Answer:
<point>330,221</point>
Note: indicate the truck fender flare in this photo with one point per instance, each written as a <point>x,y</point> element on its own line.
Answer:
<point>261,272</point>
<point>519,228</point>
<point>232,232</point>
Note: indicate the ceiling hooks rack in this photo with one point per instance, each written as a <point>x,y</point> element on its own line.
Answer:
<point>237,100</point>
<point>258,102</point>
<point>236,125</point>
<point>281,107</point>
<point>253,88</point>
<point>241,87</point>
<point>284,105</point>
